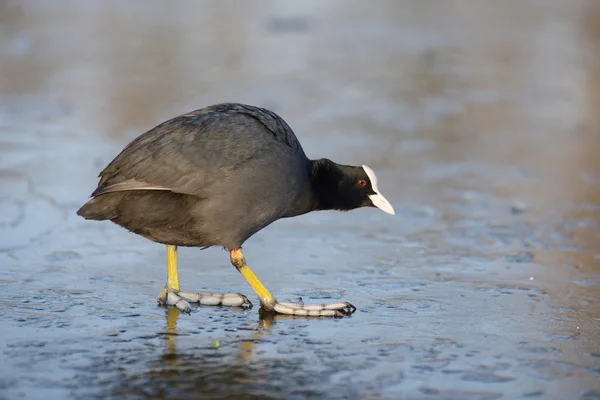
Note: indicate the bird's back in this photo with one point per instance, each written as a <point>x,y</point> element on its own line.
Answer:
<point>199,145</point>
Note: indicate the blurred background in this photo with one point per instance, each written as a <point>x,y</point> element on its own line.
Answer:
<point>481,119</point>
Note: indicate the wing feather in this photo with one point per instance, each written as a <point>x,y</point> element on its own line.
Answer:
<point>188,153</point>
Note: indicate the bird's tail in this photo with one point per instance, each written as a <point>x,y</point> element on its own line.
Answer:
<point>103,207</point>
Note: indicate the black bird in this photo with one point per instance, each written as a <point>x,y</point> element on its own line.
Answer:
<point>215,177</point>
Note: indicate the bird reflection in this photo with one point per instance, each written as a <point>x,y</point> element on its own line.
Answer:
<point>246,346</point>
<point>170,335</point>
<point>190,366</point>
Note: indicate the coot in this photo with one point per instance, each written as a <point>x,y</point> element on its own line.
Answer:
<point>215,177</point>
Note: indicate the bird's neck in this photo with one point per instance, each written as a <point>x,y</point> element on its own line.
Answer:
<point>325,176</point>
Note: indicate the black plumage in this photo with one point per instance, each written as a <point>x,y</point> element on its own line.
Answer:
<point>216,176</point>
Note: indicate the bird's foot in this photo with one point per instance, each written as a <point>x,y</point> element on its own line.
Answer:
<point>182,300</point>
<point>270,303</point>
<point>298,308</point>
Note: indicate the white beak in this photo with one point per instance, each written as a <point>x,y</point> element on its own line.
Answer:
<point>381,202</point>
<point>377,199</point>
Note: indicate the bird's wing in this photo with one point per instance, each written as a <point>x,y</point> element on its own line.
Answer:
<point>189,152</point>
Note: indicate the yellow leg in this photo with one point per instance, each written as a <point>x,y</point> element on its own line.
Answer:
<point>172,276</point>
<point>171,295</point>
<point>239,262</point>
<point>270,303</point>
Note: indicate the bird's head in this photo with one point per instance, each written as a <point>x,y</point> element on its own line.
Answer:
<point>346,187</point>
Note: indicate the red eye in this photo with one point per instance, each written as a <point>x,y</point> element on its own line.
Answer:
<point>362,182</point>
